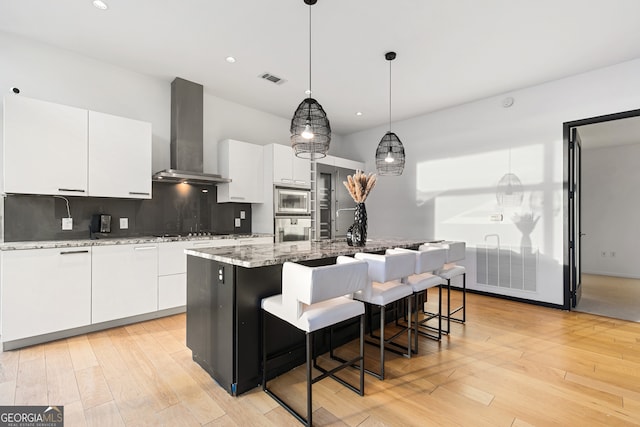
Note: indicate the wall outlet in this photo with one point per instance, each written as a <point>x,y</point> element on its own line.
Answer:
<point>67,223</point>
<point>496,217</point>
<point>124,223</point>
<point>243,215</point>
<point>613,254</point>
<point>237,222</point>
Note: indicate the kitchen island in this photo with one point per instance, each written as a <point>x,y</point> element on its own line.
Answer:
<point>224,289</point>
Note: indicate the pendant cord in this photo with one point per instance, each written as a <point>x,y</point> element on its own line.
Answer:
<point>309,51</point>
<point>389,96</point>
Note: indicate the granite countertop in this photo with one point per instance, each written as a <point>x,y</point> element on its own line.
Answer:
<point>278,253</point>
<point>52,244</point>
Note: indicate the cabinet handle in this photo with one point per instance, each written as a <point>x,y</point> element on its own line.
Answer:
<point>139,193</point>
<point>286,180</point>
<point>237,197</point>
<point>74,252</point>
<point>202,243</point>
<point>75,190</point>
<point>144,248</point>
<point>297,181</point>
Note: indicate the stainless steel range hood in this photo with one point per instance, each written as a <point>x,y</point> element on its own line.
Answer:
<point>187,137</point>
<point>174,175</point>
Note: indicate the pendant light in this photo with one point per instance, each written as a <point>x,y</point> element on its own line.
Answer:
<point>310,129</point>
<point>390,152</point>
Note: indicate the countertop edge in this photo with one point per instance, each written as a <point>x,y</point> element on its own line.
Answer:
<point>278,253</point>
<point>54,244</point>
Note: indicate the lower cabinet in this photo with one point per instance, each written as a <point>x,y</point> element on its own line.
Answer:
<point>53,290</point>
<point>124,281</point>
<point>172,266</point>
<point>44,291</point>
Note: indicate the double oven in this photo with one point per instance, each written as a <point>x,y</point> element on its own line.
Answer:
<point>292,209</point>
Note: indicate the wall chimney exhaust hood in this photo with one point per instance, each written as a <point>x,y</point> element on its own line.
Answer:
<point>187,137</point>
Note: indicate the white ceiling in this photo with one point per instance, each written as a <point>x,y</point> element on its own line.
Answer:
<point>449,52</point>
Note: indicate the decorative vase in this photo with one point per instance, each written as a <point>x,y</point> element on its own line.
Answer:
<point>357,233</point>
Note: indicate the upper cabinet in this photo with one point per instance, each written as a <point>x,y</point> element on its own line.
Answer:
<point>45,148</point>
<point>287,168</point>
<point>243,163</point>
<point>119,157</point>
<point>59,150</point>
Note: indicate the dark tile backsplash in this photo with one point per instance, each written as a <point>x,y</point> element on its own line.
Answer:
<point>174,208</point>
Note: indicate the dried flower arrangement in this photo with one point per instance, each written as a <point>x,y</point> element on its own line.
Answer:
<point>360,185</point>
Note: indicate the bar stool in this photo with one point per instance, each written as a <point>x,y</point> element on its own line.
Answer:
<point>427,261</point>
<point>384,287</point>
<point>312,299</point>
<point>456,251</point>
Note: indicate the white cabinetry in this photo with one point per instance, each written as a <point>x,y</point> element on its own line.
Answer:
<point>119,157</point>
<point>45,147</point>
<point>44,291</point>
<point>55,149</point>
<point>124,281</point>
<point>172,266</point>
<point>172,269</point>
<point>287,168</point>
<point>243,163</point>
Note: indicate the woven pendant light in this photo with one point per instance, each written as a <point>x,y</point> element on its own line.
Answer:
<point>390,152</point>
<point>310,128</point>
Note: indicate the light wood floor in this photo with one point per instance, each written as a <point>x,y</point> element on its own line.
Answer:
<point>512,364</point>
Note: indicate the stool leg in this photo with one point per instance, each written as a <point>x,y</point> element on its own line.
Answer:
<point>264,352</point>
<point>409,327</point>
<point>464,297</point>
<point>448,306</point>
<point>382,342</point>
<point>309,357</point>
<point>416,323</point>
<point>362,355</point>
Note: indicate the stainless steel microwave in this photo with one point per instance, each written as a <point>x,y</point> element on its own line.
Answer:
<point>291,201</point>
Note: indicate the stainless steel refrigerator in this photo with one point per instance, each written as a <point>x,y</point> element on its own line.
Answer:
<point>334,205</point>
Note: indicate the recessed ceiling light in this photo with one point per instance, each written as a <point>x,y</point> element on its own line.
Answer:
<point>359,113</point>
<point>100,4</point>
<point>230,59</point>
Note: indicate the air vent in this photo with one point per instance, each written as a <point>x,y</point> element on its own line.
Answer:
<point>273,79</point>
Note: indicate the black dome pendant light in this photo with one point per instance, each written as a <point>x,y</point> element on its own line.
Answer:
<point>390,152</point>
<point>310,129</point>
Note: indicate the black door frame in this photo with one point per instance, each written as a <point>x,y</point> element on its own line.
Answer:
<point>566,134</point>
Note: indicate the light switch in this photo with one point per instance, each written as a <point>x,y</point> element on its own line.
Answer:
<point>243,215</point>
<point>124,223</point>
<point>237,222</point>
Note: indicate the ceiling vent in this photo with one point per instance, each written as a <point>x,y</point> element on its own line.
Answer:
<point>273,79</point>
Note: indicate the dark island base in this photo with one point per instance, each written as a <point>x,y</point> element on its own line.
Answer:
<point>224,323</point>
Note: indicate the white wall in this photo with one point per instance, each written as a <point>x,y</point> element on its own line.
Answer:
<point>456,156</point>
<point>610,206</point>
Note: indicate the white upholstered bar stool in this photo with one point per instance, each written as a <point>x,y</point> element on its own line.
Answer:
<point>456,251</point>
<point>385,287</point>
<point>428,261</point>
<point>312,299</point>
